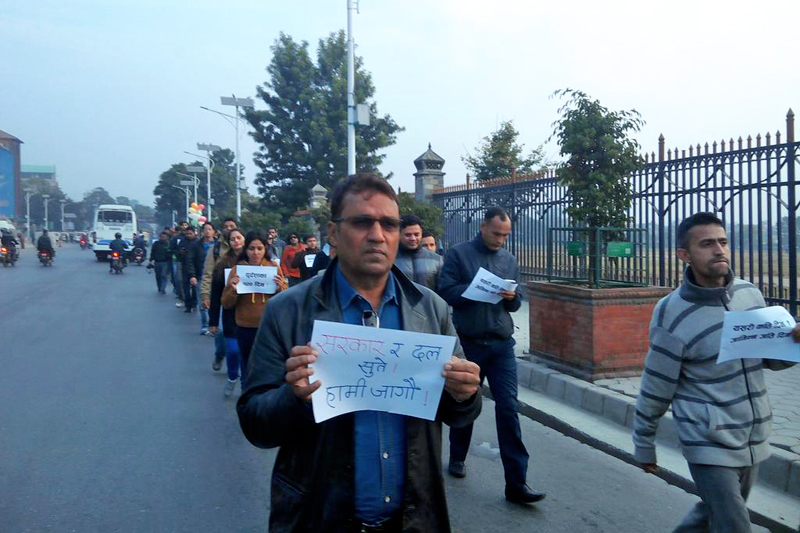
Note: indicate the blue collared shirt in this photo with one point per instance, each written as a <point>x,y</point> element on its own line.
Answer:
<point>380,438</point>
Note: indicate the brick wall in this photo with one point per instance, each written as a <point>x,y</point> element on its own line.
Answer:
<point>598,332</point>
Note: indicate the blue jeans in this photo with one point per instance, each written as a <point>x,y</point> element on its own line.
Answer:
<point>246,338</point>
<point>177,280</point>
<point>499,366</point>
<point>232,358</point>
<point>219,344</point>
<point>203,317</point>
<point>162,273</point>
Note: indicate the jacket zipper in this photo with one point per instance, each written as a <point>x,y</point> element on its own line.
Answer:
<point>749,398</point>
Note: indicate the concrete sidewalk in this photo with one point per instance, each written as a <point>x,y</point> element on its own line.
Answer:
<point>601,415</point>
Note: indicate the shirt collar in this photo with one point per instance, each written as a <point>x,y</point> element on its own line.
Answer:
<point>347,293</point>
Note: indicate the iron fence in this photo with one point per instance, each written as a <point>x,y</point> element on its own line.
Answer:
<point>750,184</point>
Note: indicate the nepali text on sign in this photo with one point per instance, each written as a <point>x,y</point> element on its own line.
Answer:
<point>486,287</point>
<point>256,279</point>
<point>762,333</point>
<point>365,368</point>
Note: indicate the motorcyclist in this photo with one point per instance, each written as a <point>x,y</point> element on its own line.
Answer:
<point>45,244</point>
<point>139,242</point>
<point>7,240</point>
<point>119,246</point>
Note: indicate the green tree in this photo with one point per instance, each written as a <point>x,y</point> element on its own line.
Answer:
<point>168,197</point>
<point>430,215</point>
<point>298,225</point>
<point>302,132</point>
<point>254,217</point>
<point>499,154</point>
<point>600,157</point>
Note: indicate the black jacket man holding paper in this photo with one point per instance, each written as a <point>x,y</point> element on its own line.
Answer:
<point>485,331</point>
<point>322,470</point>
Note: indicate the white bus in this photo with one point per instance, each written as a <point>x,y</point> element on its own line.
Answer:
<point>110,219</point>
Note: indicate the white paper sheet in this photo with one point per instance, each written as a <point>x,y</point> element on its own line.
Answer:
<point>486,287</point>
<point>761,333</point>
<point>256,279</point>
<point>309,259</point>
<point>365,368</point>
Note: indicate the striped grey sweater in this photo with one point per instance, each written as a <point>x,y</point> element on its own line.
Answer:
<point>722,411</point>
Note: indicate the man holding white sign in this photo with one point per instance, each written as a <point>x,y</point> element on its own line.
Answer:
<point>366,470</point>
<point>720,406</point>
<point>485,328</point>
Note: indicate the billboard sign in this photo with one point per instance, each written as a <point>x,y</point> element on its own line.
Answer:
<point>6,182</point>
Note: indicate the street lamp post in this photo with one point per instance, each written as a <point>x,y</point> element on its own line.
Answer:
<point>237,103</point>
<point>62,202</point>
<point>28,193</point>
<point>46,200</point>
<point>207,169</point>
<point>193,182</point>
<point>185,189</point>
<point>209,148</point>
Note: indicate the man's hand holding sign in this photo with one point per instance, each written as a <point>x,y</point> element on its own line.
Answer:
<point>364,368</point>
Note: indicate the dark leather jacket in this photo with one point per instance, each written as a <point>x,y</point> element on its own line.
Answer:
<point>313,478</point>
<point>44,243</point>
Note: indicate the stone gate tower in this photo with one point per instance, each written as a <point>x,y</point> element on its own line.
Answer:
<point>429,175</point>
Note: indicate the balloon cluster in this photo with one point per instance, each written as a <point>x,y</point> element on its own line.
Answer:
<point>195,214</point>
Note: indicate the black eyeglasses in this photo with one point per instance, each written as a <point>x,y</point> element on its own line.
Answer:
<point>366,223</point>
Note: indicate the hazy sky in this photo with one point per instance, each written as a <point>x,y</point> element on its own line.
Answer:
<point>109,91</point>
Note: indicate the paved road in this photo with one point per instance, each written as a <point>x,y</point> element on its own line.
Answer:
<point>112,420</point>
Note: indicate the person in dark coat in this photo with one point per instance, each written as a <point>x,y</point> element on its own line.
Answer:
<point>319,482</point>
<point>486,332</point>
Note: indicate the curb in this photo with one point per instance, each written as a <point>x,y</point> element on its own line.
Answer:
<point>780,472</point>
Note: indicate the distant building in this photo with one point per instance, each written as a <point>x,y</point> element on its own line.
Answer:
<point>43,172</point>
<point>10,187</point>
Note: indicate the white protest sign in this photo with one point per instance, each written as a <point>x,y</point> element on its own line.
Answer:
<point>258,279</point>
<point>486,287</point>
<point>309,259</point>
<point>761,333</point>
<point>227,275</point>
<point>364,368</point>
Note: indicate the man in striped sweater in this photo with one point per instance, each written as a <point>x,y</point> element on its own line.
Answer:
<point>722,411</point>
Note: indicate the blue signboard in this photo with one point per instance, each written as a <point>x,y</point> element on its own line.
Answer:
<point>6,182</point>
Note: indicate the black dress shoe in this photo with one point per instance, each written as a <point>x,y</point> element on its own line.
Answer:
<point>457,469</point>
<point>523,494</point>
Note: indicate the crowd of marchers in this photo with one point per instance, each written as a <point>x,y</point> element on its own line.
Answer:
<point>374,471</point>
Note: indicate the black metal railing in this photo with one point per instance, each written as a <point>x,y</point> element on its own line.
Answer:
<point>750,184</point>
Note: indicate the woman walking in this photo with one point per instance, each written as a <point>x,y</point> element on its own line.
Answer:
<point>226,261</point>
<point>249,307</point>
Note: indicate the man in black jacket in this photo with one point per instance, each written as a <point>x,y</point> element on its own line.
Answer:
<point>343,474</point>
<point>419,264</point>
<point>189,292</point>
<point>159,260</point>
<point>486,333</point>
<point>305,260</point>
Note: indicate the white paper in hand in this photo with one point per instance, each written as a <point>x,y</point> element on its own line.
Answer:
<point>486,287</point>
<point>363,368</point>
<point>761,333</point>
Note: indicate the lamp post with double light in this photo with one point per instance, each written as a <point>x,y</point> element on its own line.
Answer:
<point>237,103</point>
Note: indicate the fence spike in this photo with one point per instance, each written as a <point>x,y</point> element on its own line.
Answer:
<point>767,138</point>
<point>731,144</point>
<point>698,148</point>
<point>790,126</point>
<point>740,142</point>
<point>758,140</point>
<point>683,153</point>
<point>669,154</point>
<point>778,137</point>
<point>749,141</point>
<point>714,147</point>
<point>691,151</point>
<point>646,158</point>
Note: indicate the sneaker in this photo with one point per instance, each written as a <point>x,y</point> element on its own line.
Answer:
<point>179,304</point>
<point>229,386</point>
<point>204,331</point>
<point>216,365</point>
